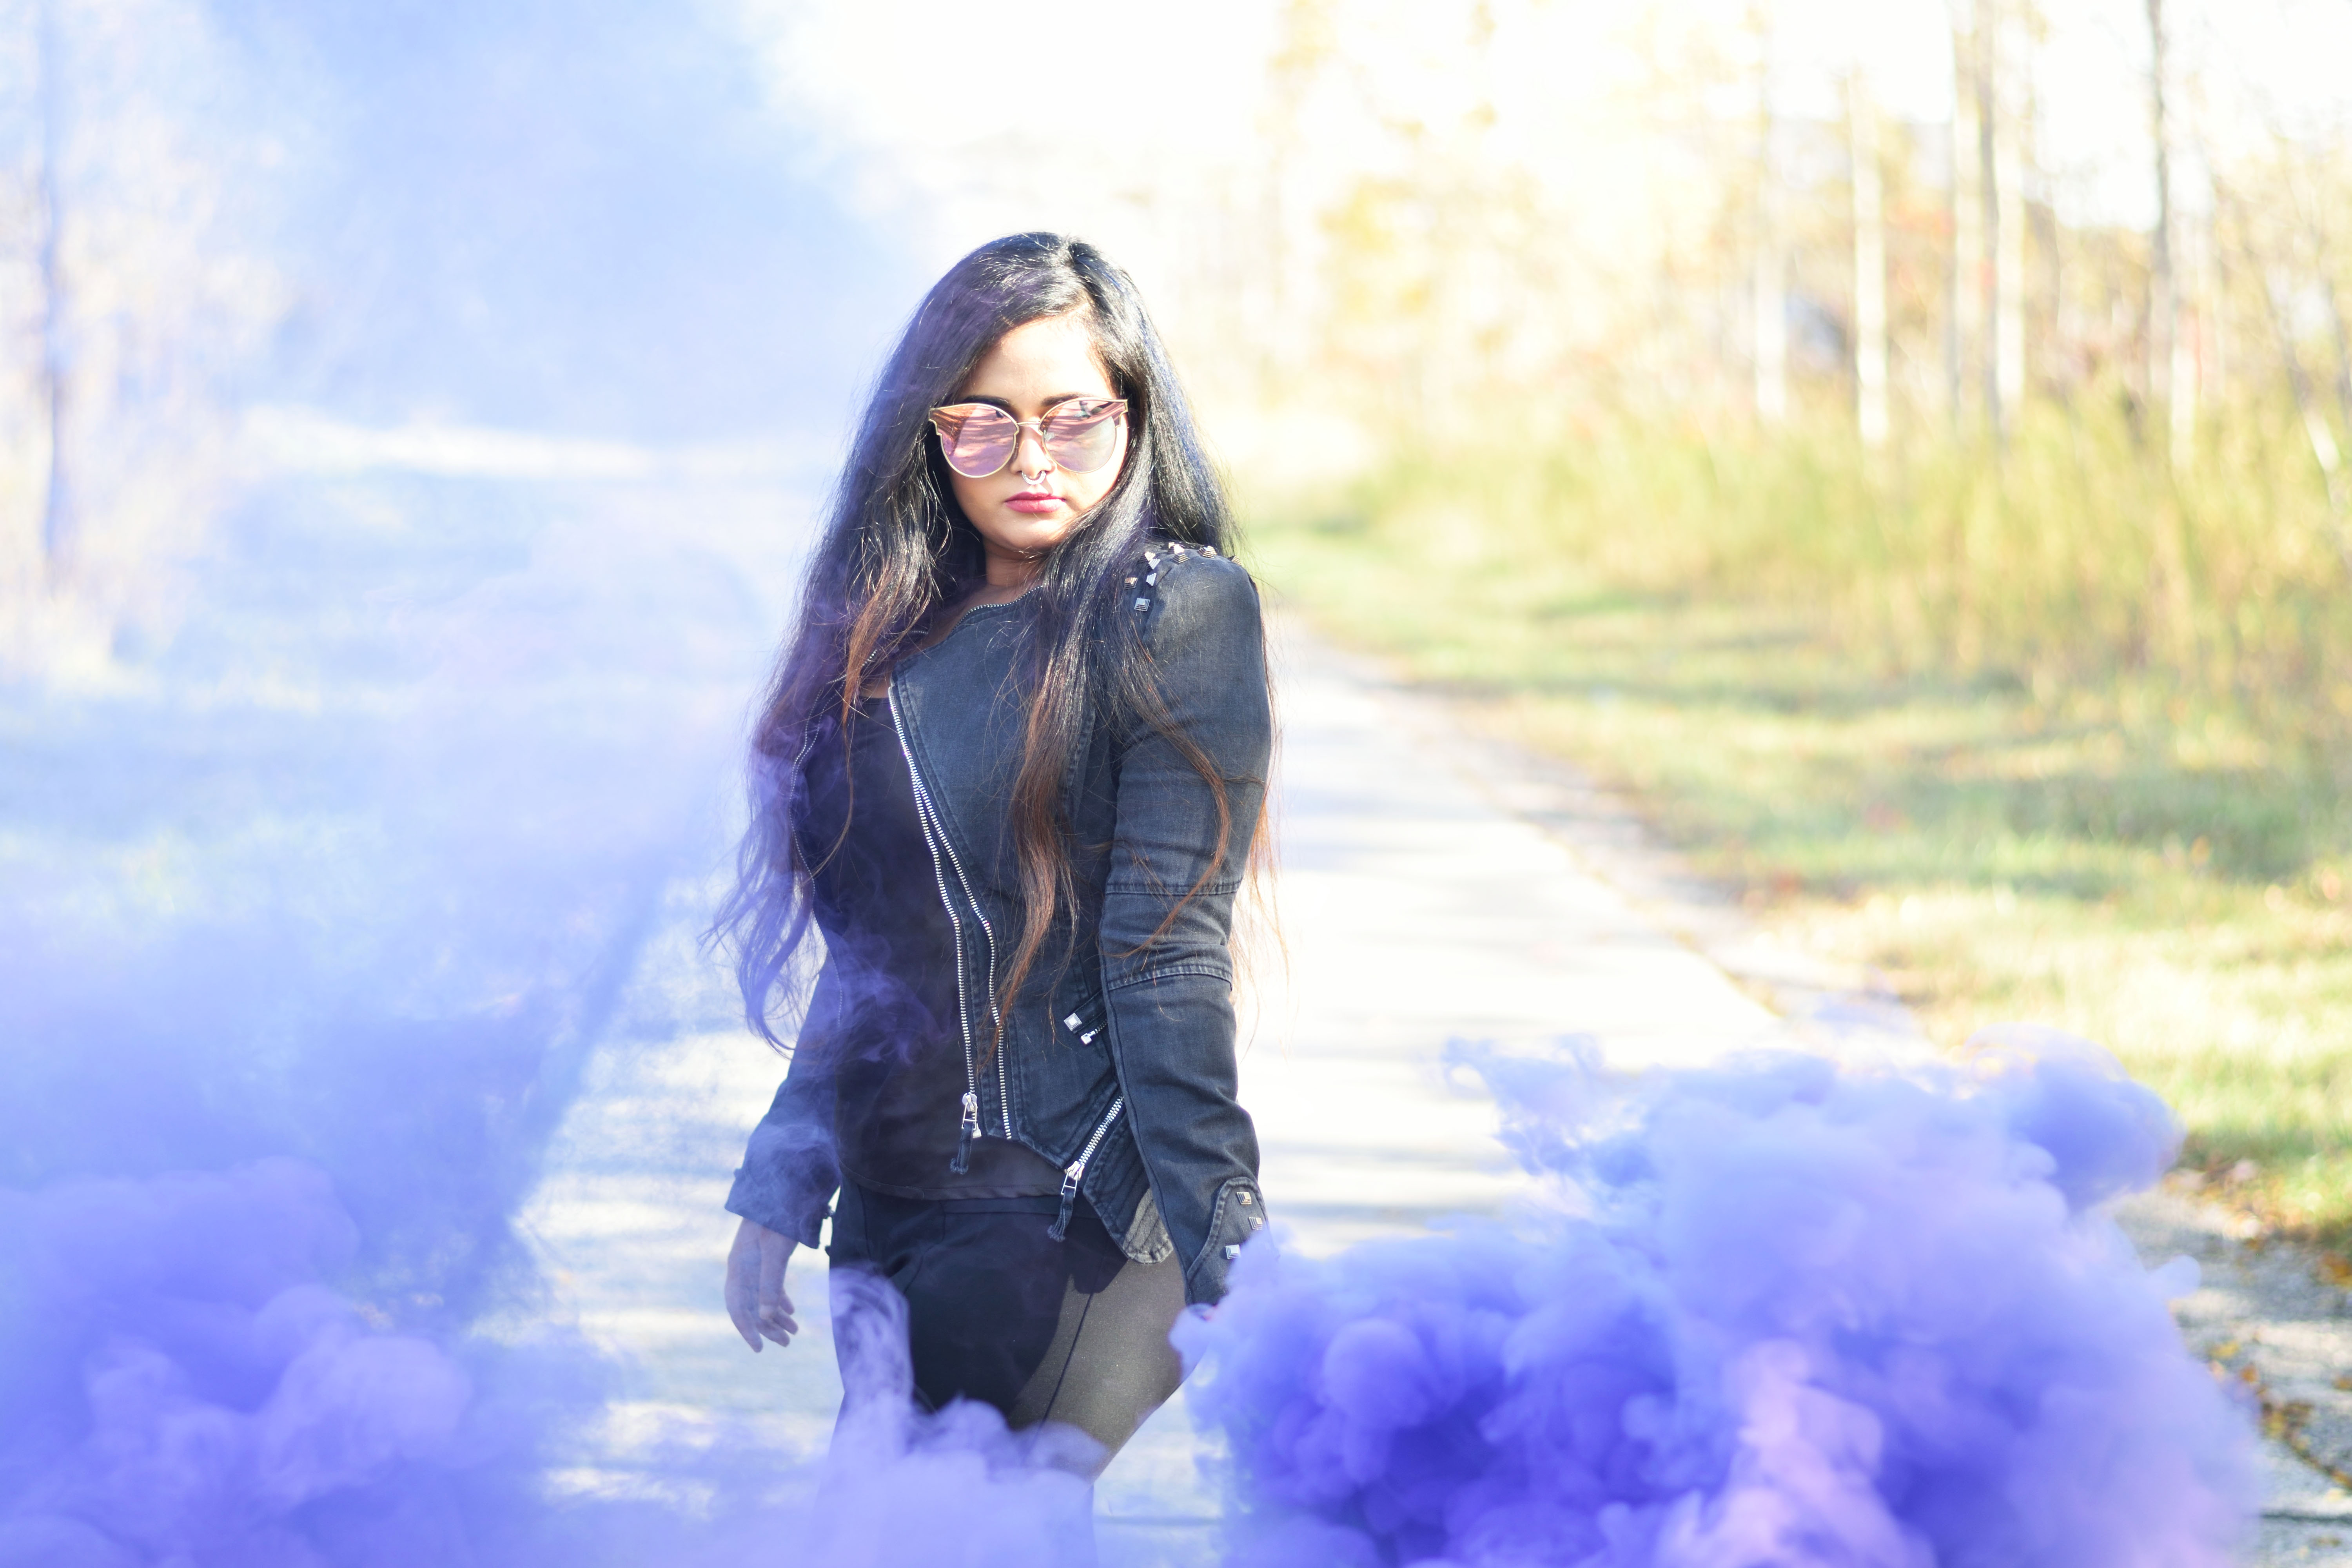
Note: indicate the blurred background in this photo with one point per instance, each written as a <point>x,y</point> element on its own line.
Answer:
<point>1902,447</point>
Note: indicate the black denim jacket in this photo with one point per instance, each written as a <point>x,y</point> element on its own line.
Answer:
<point>1119,1065</point>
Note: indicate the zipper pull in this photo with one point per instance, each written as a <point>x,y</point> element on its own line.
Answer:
<point>968,1130</point>
<point>1070,1174</point>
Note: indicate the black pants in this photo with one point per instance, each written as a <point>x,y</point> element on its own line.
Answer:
<point>999,1311</point>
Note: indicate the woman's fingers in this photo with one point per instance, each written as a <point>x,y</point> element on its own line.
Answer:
<point>756,1303</point>
<point>743,1272</point>
<point>741,1310</point>
<point>775,1308</point>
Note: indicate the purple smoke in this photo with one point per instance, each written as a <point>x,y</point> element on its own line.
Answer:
<point>332,839</point>
<point>332,850</point>
<point>184,1389</point>
<point>312,908</point>
<point>293,996</point>
<point>1773,1313</point>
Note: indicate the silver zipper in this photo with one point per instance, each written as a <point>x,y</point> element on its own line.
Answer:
<point>988,936</point>
<point>988,933</point>
<point>1075,1171</point>
<point>968,1128</point>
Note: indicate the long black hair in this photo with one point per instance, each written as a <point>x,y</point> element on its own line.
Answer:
<point>896,548</point>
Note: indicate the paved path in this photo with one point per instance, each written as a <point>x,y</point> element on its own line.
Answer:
<point>1414,910</point>
<point>1428,890</point>
<point>2269,1315</point>
<point>1411,910</point>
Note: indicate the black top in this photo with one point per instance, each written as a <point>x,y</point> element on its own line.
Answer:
<point>1148,1108</point>
<point>898,1049</point>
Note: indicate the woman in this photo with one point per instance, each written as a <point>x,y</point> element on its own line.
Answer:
<point>1011,767</point>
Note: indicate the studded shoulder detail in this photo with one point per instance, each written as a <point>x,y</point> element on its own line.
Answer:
<point>1145,584</point>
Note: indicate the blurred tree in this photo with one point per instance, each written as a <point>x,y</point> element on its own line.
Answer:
<point>2291,295</point>
<point>1869,264</point>
<point>2168,386</point>
<point>1771,243</point>
<point>2006,99</point>
<point>1964,327</point>
<point>132,264</point>
<point>56,512</point>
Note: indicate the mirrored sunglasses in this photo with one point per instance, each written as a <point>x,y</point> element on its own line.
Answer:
<point>979,438</point>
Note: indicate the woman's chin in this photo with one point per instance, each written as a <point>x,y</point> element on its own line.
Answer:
<point>1025,534</point>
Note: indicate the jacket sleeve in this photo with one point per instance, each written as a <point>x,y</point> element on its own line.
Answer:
<point>791,1168</point>
<point>1169,991</point>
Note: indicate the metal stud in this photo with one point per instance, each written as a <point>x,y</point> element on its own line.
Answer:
<point>1071,1022</point>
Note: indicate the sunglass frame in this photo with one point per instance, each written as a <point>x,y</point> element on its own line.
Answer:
<point>950,418</point>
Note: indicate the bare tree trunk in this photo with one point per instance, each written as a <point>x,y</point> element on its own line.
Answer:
<point>2216,342</point>
<point>1869,267</point>
<point>2004,113</point>
<point>1771,305</point>
<point>57,508</point>
<point>2308,207</point>
<point>1963,321</point>
<point>1983,65</point>
<point>2338,334</point>
<point>2187,325</point>
<point>2163,291</point>
<point>2324,450</point>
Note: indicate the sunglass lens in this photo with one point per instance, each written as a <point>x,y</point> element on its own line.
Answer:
<point>1081,440</point>
<point>981,443</point>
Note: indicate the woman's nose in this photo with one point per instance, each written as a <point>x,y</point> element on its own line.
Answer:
<point>1030,458</point>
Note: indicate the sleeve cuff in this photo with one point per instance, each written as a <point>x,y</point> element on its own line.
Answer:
<point>1238,1215</point>
<point>758,1202</point>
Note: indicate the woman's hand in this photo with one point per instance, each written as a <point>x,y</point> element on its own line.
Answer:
<point>755,1286</point>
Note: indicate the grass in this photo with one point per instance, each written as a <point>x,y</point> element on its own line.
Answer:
<point>2130,818</point>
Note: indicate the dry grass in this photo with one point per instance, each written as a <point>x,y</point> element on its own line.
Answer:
<point>2127,818</point>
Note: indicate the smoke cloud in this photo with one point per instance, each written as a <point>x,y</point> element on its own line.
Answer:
<point>332,837</point>
<point>313,922</point>
<point>184,1389</point>
<point>1774,1313</point>
<point>312,918</point>
<point>318,891</point>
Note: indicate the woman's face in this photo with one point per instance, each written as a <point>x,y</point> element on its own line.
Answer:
<point>1023,508</point>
